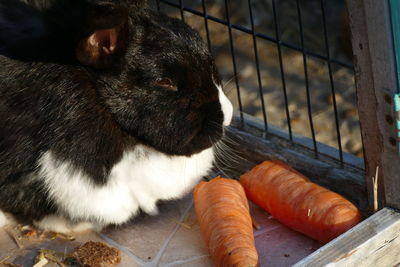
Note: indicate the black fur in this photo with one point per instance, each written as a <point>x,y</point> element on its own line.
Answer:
<point>90,115</point>
<point>48,30</point>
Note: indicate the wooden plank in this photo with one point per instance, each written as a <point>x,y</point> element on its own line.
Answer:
<point>307,143</point>
<point>395,19</point>
<point>376,84</point>
<point>247,149</point>
<point>373,242</point>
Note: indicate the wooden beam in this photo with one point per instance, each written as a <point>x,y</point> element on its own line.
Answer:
<point>374,242</point>
<point>254,125</point>
<point>395,19</point>
<point>376,85</point>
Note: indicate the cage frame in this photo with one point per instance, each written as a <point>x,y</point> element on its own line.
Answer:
<point>373,242</point>
<point>343,157</point>
<point>376,84</point>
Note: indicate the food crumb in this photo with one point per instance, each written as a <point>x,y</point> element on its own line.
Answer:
<point>97,254</point>
<point>30,234</point>
<point>287,255</point>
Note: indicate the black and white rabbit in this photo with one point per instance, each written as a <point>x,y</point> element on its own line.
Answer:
<point>127,117</point>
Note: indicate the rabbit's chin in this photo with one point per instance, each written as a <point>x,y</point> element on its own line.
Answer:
<point>141,178</point>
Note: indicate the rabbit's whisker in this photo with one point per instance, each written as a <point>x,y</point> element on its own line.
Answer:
<point>217,160</point>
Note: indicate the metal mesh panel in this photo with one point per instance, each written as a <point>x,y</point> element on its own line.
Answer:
<point>288,62</point>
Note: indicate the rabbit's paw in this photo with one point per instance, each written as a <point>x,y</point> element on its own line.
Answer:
<point>61,225</point>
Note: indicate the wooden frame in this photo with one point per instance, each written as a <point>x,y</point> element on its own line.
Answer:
<point>375,241</point>
<point>376,84</point>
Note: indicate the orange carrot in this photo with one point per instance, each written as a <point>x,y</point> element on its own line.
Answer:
<point>299,203</point>
<point>225,223</point>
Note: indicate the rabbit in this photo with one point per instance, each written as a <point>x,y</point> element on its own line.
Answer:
<point>126,114</point>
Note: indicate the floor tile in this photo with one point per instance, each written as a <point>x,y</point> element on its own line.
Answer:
<point>186,244</point>
<point>171,238</point>
<point>277,245</point>
<point>145,236</point>
<point>203,261</point>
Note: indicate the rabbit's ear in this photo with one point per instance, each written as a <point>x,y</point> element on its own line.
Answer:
<point>100,48</point>
<point>104,35</point>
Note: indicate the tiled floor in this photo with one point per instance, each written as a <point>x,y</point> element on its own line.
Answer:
<point>171,238</point>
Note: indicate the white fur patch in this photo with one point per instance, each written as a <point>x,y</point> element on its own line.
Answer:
<point>139,180</point>
<point>226,106</point>
<point>5,219</point>
<point>58,224</point>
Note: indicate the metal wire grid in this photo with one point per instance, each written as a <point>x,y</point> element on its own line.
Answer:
<point>280,44</point>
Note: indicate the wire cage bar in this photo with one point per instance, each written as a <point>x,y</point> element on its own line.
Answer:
<point>258,34</point>
<point>309,109</point>
<point>275,39</point>
<point>233,56</point>
<point>326,38</point>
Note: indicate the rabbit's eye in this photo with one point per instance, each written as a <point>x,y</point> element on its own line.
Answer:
<point>166,83</point>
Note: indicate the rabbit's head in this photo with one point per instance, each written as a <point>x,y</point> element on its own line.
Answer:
<point>158,80</point>
<point>153,73</point>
